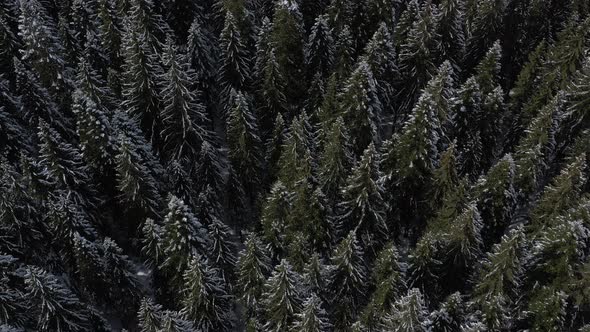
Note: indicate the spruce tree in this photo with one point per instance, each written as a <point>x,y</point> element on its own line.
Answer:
<point>319,51</point>
<point>141,77</point>
<point>183,118</point>
<point>206,301</point>
<point>243,140</point>
<point>43,49</point>
<point>362,108</point>
<point>418,54</point>
<point>182,236</point>
<point>135,183</point>
<point>409,313</point>
<point>281,298</point>
<point>363,206</point>
<point>56,307</point>
<point>253,264</point>
<point>313,317</point>
<point>149,316</point>
<point>287,38</point>
<point>388,281</point>
<point>346,281</point>
<point>451,29</point>
<point>234,69</point>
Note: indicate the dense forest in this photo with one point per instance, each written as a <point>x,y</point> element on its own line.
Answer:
<point>294,165</point>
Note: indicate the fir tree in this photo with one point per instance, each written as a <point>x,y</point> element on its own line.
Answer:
<point>362,108</point>
<point>496,198</point>
<point>287,38</point>
<point>141,94</point>
<point>182,236</point>
<point>281,298</point>
<point>134,181</point>
<point>335,160</point>
<point>449,316</point>
<point>56,307</point>
<point>149,316</point>
<point>271,91</point>
<point>346,281</point>
<point>451,29</point>
<point>206,301</point>
<point>380,55</point>
<point>313,317</point>
<point>319,51</point>
<point>363,206</point>
<point>94,130</point>
<point>253,264</point>
<point>485,29</point>
<point>243,139</point>
<point>502,270</point>
<point>234,72</point>
<point>183,118</point>
<point>418,54</point>
<point>388,280</point>
<point>409,313</point>
<point>43,49</point>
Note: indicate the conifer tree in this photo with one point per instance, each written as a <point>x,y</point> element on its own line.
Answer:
<point>335,160</point>
<point>424,264</point>
<point>362,108</point>
<point>281,298</point>
<point>56,307</point>
<point>271,91</point>
<point>346,281</point>
<point>313,317</point>
<point>496,198</point>
<point>297,162</point>
<point>202,53</point>
<point>449,316</point>
<point>485,29</point>
<point>451,29</point>
<point>43,49</point>
<point>363,206</point>
<point>206,301</point>
<point>380,55</point>
<point>343,51</point>
<point>287,39</point>
<point>141,72</point>
<point>501,272</point>
<point>36,102</point>
<point>94,130</point>
<point>416,156</point>
<point>468,136</point>
<point>183,118</point>
<point>182,236</point>
<point>418,54</point>
<point>149,316</point>
<point>409,313</point>
<point>109,30</point>
<point>274,217</point>
<point>243,140</point>
<point>548,310</point>
<point>137,186</point>
<point>562,194</point>
<point>319,51</point>
<point>234,69</point>
<point>388,280</point>
<point>253,264</point>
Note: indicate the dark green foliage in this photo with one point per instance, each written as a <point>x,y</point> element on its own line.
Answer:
<point>329,165</point>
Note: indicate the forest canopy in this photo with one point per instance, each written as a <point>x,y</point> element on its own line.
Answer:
<point>294,165</point>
